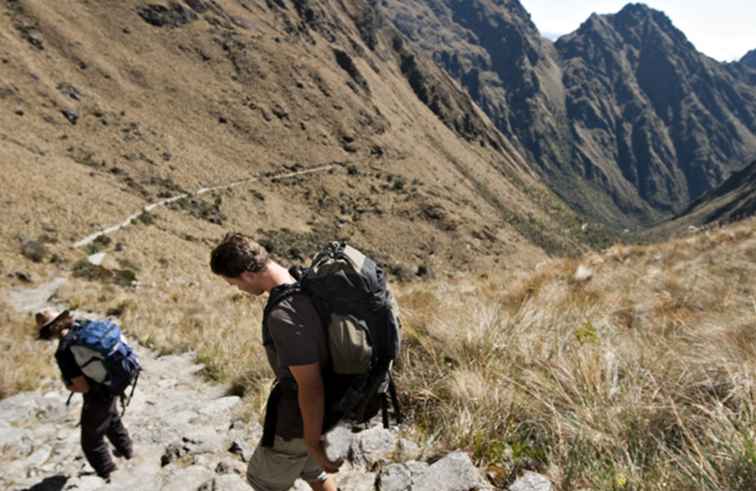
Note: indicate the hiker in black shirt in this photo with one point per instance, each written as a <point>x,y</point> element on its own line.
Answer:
<point>296,347</point>
<point>99,414</point>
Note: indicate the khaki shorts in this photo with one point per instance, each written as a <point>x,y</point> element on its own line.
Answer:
<point>276,469</point>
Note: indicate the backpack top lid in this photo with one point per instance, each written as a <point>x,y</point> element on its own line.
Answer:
<point>346,279</point>
<point>102,336</point>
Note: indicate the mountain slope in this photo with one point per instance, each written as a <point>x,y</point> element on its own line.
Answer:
<point>734,199</point>
<point>624,118</point>
<point>106,108</point>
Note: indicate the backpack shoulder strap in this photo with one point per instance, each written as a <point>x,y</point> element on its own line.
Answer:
<point>279,296</point>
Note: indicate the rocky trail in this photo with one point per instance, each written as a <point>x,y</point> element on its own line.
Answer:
<point>187,436</point>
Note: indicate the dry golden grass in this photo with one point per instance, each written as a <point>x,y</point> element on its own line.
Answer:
<point>25,363</point>
<point>641,378</point>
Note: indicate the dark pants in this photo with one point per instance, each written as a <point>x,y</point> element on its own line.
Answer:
<point>100,418</point>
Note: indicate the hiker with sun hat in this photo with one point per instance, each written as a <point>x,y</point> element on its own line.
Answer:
<point>94,360</point>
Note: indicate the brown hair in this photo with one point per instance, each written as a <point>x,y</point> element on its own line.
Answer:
<point>235,254</point>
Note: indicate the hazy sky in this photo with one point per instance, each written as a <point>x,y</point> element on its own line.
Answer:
<point>722,29</point>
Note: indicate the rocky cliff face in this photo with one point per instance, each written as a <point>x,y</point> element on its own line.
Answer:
<point>624,117</point>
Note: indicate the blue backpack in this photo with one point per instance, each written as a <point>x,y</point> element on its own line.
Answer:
<point>104,356</point>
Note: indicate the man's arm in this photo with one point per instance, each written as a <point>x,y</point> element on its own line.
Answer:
<point>311,396</point>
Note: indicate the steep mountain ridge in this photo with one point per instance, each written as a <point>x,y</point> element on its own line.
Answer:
<point>625,119</point>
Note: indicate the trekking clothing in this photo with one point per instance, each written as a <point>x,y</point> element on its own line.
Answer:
<point>100,419</point>
<point>276,468</point>
<point>293,335</point>
<point>99,415</point>
<point>363,332</point>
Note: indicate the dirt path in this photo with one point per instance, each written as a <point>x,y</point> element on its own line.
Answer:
<point>130,219</point>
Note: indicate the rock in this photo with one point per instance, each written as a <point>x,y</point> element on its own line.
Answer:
<point>395,477</point>
<point>455,472</point>
<point>355,480</point>
<point>38,457</point>
<point>583,273</point>
<point>10,437</point>
<point>230,466</point>
<point>32,36</point>
<point>407,450</point>
<point>96,259</point>
<point>531,481</point>
<point>84,483</point>
<point>372,446</point>
<point>23,276</point>
<point>69,90</point>
<point>34,250</point>
<point>199,442</point>
<point>198,6</point>
<point>241,449</point>
<point>425,271</point>
<point>219,405</point>
<point>190,478</point>
<point>226,482</point>
<point>173,452</point>
<point>175,15</point>
<point>338,442</point>
<point>71,115</point>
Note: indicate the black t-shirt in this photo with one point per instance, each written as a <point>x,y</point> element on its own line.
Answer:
<point>293,335</point>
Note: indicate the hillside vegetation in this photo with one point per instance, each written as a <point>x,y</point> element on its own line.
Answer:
<point>630,369</point>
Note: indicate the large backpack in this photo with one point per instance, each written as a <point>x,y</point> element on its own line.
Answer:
<point>103,355</point>
<point>361,321</point>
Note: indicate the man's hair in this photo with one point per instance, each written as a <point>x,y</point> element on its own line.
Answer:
<point>235,255</point>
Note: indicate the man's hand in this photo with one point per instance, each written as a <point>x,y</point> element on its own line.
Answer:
<point>78,384</point>
<point>311,399</point>
<point>328,465</point>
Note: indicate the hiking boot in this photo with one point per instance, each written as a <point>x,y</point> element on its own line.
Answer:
<point>126,454</point>
<point>105,475</point>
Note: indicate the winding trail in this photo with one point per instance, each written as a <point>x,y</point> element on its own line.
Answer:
<point>130,219</point>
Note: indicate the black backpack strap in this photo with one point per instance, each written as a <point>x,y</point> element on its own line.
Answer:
<point>271,416</point>
<point>126,401</point>
<point>279,296</point>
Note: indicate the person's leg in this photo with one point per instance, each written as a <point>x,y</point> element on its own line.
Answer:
<point>95,421</point>
<point>117,433</point>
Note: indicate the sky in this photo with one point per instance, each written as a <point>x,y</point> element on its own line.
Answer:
<point>722,29</point>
